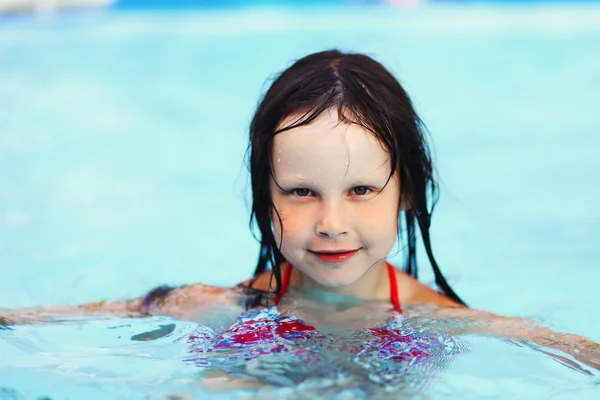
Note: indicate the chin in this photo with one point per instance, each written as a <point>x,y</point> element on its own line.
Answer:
<point>335,278</point>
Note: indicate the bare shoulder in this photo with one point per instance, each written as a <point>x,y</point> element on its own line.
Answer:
<point>414,292</point>
<point>180,301</point>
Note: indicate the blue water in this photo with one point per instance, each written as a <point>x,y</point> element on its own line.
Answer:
<point>180,4</point>
<point>121,168</point>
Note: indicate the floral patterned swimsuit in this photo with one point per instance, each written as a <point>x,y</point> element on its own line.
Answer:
<point>261,332</point>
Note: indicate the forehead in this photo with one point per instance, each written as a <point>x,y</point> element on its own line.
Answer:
<point>328,145</point>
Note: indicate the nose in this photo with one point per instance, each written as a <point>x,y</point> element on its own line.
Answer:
<point>331,222</point>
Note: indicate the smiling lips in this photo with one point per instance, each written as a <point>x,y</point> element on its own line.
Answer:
<point>335,257</point>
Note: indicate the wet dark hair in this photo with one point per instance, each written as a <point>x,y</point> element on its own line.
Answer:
<point>362,92</point>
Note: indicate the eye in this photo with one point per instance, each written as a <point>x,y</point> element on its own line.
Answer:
<point>361,190</point>
<point>301,192</point>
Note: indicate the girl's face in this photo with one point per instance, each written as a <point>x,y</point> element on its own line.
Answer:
<point>338,215</point>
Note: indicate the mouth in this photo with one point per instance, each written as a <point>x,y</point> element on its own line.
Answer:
<point>334,257</point>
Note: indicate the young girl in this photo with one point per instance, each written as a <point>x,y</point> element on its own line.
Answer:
<point>340,172</point>
<point>340,169</point>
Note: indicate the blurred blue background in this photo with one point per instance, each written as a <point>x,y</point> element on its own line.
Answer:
<point>44,6</point>
<point>122,137</point>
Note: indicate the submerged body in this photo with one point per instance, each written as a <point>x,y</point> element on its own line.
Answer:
<point>333,343</point>
<point>260,342</point>
<point>267,331</point>
<point>312,313</point>
<point>308,322</point>
<point>172,354</point>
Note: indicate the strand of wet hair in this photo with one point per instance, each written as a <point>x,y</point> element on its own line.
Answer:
<point>411,259</point>
<point>441,282</point>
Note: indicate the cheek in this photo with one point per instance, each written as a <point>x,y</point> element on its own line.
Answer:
<point>293,221</point>
<point>380,220</point>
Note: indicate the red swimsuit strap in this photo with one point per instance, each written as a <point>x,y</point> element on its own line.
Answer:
<point>393,287</point>
<point>284,284</point>
<point>391,273</point>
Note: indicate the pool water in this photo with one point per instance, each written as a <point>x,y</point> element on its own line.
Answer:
<point>121,169</point>
<point>167,358</point>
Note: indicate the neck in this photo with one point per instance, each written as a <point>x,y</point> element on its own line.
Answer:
<point>369,286</point>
